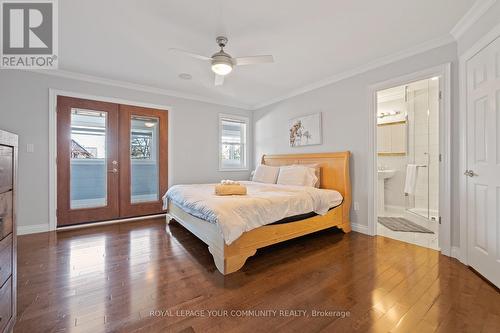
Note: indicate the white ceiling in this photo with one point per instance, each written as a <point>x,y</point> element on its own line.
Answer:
<point>311,40</point>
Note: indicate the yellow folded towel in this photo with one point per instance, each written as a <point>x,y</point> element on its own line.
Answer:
<point>222,189</point>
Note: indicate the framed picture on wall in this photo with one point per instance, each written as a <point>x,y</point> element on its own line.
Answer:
<point>305,130</point>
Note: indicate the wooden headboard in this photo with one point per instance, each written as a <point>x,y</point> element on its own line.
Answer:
<point>334,170</point>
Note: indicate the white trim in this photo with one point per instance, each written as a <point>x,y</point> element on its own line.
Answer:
<point>236,118</point>
<point>136,87</point>
<point>426,46</point>
<point>421,48</point>
<point>481,43</point>
<point>97,224</point>
<point>32,229</point>
<point>457,254</point>
<point>37,228</point>
<point>473,50</point>
<point>444,72</point>
<point>478,9</point>
<point>53,158</point>
<point>445,241</point>
<point>462,185</point>
<point>53,93</point>
<point>361,228</point>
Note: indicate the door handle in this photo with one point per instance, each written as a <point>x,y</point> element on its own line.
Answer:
<point>115,167</point>
<point>469,173</point>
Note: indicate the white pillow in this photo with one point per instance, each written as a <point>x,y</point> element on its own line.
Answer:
<point>297,175</point>
<point>317,172</point>
<point>266,174</point>
<point>313,177</point>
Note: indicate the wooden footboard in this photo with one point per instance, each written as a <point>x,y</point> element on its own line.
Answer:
<point>230,258</point>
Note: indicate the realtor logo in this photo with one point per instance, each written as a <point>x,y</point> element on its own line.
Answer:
<point>29,34</point>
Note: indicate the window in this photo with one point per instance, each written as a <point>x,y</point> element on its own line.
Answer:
<point>233,132</point>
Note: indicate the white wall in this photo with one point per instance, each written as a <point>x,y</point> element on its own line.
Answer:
<point>344,105</point>
<point>24,110</point>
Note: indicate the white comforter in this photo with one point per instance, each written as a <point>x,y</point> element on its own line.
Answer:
<point>264,204</point>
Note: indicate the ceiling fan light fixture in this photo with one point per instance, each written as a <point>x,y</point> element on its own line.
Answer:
<point>222,68</point>
<point>221,63</point>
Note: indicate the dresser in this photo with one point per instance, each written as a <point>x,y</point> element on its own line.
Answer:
<point>8,191</point>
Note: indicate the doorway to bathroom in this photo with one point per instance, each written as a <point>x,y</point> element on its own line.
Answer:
<point>408,162</point>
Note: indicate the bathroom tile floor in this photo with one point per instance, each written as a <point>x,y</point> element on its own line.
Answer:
<point>421,239</point>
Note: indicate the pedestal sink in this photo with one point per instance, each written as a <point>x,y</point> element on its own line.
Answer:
<point>382,176</point>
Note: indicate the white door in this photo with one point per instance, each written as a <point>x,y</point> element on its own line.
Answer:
<point>483,162</point>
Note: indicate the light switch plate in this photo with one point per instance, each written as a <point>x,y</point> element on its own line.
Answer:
<point>30,148</point>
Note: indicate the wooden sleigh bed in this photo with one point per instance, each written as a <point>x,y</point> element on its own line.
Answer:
<point>230,258</point>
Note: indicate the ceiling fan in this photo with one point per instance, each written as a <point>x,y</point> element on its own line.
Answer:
<point>223,63</point>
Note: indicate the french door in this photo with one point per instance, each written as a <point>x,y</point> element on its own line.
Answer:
<point>111,160</point>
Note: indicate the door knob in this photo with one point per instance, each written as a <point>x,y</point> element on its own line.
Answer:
<point>114,170</point>
<point>469,173</point>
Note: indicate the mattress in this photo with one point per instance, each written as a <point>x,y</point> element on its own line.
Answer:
<point>300,217</point>
<point>264,204</point>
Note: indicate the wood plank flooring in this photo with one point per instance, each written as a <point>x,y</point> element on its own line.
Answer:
<point>146,277</point>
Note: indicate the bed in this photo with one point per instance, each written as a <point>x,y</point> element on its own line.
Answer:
<point>231,250</point>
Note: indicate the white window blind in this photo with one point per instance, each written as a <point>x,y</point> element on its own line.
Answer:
<point>233,142</point>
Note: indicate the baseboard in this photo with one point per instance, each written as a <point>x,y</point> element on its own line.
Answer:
<point>101,223</point>
<point>363,229</point>
<point>456,253</point>
<point>32,229</point>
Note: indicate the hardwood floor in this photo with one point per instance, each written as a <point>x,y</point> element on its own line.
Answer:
<point>145,277</point>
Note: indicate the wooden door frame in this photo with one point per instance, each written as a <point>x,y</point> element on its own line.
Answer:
<point>112,207</point>
<point>487,39</point>
<point>53,94</point>
<point>127,208</point>
<point>444,71</point>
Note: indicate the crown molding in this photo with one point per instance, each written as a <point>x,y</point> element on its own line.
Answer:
<point>421,48</point>
<point>478,9</point>
<point>136,87</point>
<point>473,14</point>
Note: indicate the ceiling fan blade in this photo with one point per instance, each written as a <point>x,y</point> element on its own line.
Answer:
<point>190,54</point>
<point>219,80</point>
<point>262,59</point>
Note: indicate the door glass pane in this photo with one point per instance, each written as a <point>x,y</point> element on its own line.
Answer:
<point>144,159</point>
<point>88,176</point>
